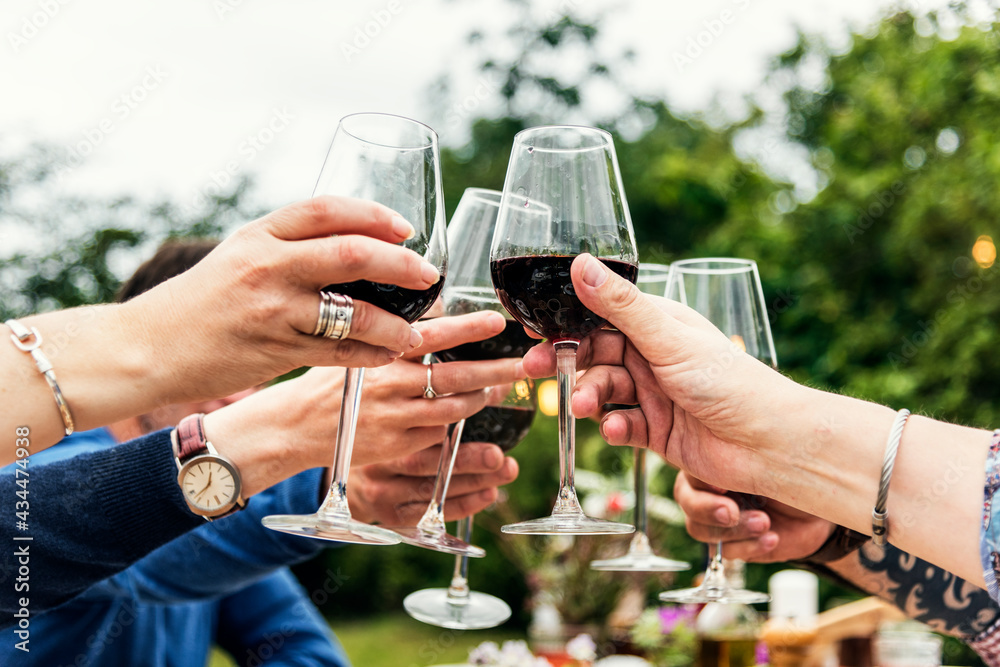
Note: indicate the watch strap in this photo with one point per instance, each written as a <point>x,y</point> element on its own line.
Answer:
<point>191,439</point>
<point>842,541</point>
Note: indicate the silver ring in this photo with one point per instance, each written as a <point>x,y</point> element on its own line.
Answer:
<point>429,390</point>
<point>335,314</point>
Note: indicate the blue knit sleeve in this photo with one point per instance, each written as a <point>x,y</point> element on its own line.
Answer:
<point>89,517</point>
<point>274,623</point>
<point>223,556</point>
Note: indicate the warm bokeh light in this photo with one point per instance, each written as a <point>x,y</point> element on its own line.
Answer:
<point>984,252</point>
<point>522,388</point>
<point>738,342</point>
<point>548,398</point>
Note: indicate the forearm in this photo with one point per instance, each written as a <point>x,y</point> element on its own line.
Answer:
<point>90,517</point>
<point>224,556</point>
<point>825,457</point>
<point>922,591</point>
<point>105,372</point>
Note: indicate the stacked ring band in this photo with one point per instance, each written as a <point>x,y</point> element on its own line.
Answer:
<point>335,314</point>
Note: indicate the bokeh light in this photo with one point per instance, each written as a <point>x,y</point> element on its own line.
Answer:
<point>984,252</point>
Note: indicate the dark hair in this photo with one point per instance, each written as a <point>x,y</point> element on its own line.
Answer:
<point>171,259</point>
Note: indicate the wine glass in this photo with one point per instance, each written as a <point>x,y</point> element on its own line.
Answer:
<point>640,557</point>
<point>573,172</point>
<point>467,290</point>
<point>393,161</point>
<point>728,293</point>
<point>457,607</point>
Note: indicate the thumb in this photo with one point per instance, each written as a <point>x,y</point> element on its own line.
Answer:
<point>623,305</point>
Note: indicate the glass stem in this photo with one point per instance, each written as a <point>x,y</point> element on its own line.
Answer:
<point>433,519</point>
<point>715,576</point>
<point>458,591</point>
<point>640,543</point>
<point>566,502</point>
<point>335,507</point>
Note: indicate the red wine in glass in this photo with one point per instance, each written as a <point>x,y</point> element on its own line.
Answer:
<point>409,304</point>
<point>500,424</point>
<point>511,342</point>
<point>538,291</point>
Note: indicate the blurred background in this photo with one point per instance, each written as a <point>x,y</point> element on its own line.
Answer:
<point>851,148</point>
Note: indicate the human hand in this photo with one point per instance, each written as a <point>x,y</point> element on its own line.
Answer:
<point>754,529</point>
<point>292,426</point>
<point>245,314</point>
<point>704,405</point>
<point>396,493</point>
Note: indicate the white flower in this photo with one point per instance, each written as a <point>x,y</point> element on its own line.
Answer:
<point>515,654</point>
<point>487,653</point>
<point>581,647</point>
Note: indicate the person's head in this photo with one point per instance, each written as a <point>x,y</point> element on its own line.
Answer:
<point>171,259</point>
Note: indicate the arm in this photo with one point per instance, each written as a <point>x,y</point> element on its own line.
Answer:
<point>273,622</point>
<point>242,316</point>
<point>90,516</point>
<point>728,419</point>
<point>774,532</point>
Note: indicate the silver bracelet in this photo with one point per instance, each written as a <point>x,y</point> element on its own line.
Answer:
<point>21,336</point>
<point>880,516</point>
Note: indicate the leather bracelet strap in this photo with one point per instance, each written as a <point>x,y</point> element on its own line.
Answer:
<point>842,541</point>
<point>190,437</point>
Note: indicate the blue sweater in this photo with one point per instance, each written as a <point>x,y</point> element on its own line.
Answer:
<point>224,582</point>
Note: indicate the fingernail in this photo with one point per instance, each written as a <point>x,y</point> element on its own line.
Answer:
<point>519,370</point>
<point>756,524</point>
<point>402,227</point>
<point>429,273</point>
<point>768,542</point>
<point>594,273</point>
<point>722,516</point>
<point>415,338</point>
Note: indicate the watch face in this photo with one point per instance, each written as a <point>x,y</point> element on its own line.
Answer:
<point>209,484</point>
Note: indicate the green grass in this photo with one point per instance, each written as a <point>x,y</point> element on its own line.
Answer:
<point>396,640</point>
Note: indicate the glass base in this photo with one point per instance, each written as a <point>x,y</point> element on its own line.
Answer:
<point>704,594</point>
<point>418,537</point>
<point>568,524</point>
<point>320,528</point>
<point>633,562</point>
<point>480,611</point>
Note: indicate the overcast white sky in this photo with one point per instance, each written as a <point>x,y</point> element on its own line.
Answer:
<point>164,96</point>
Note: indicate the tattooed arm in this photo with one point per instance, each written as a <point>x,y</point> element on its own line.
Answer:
<point>947,603</point>
<point>769,532</point>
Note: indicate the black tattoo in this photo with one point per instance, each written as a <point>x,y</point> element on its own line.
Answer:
<point>924,592</point>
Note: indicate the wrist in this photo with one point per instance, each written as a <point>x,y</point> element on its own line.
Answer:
<point>813,433</point>
<point>257,449</point>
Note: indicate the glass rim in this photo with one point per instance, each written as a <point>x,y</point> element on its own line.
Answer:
<point>484,195</point>
<point>654,266</point>
<point>739,265</point>
<point>608,140</point>
<point>432,135</point>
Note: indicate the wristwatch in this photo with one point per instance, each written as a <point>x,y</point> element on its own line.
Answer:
<point>210,482</point>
